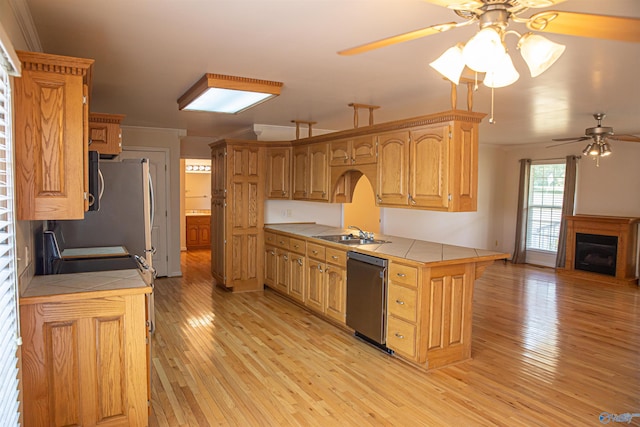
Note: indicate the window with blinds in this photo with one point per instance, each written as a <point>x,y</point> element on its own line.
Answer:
<point>9,331</point>
<point>546,189</point>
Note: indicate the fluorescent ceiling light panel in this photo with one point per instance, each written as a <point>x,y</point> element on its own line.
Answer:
<point>227,94</point>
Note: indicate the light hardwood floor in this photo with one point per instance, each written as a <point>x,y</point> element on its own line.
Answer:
<point>546,350</point>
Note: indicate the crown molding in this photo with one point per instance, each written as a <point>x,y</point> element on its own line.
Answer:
<point>23,17</point>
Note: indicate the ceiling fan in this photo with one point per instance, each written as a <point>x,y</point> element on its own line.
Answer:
<point>600,136</point>
<point>497,13</point>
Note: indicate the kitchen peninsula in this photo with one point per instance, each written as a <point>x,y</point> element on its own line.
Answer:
<point>429,293</point>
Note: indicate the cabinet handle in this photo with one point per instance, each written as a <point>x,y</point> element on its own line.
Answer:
<point>286,258</point>
<point>320,268</point>
<point>399,302</point>
<point>273,253</point>
<point>378,198</point>
<point>334,257</point>
<point>402,275</point>
<point>324,194</point>
<point>296,246</point>
<point>399,336</point>
<point>413,202</point>
<point>353,160</point>
<point>282,242</point>
<point>284,193</point>
<point>299,261</point>
<point>315,252</point>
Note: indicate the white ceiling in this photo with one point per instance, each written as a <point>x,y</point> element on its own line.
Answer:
<point>148,53</point>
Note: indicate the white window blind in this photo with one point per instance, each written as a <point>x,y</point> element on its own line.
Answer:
<point>9,331</point>
<point>546,189</point>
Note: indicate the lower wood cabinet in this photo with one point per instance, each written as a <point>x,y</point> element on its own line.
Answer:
<point>198,232</point>
<point>84,362</point>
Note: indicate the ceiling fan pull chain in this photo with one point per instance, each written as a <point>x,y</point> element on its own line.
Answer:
<point>491,121</point>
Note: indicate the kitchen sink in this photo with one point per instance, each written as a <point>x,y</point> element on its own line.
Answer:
<point>350,239</point>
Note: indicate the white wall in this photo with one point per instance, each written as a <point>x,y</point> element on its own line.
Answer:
<point>164,138</point>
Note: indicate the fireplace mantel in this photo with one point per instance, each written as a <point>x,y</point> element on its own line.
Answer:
<point>624,228</point>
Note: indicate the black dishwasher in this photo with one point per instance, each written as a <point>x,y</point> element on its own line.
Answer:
<point>367,297</point>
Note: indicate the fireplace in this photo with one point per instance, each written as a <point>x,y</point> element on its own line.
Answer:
<point>596,253</point>
<point>602,248</point>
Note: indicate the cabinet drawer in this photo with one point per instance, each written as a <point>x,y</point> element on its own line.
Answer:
<point>316,251</point>
<point>297,245</point>
<point>402,302</point>
<point>401,337</point>
<point>282,241</point>
<point>336,256</point>
<point>269,238</point>
<point>403,274</point>
<point>198,220</point>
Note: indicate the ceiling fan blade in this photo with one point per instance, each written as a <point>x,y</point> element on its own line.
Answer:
<point>628,138</point>
<point>539,3</point>
<point>457,4</point>
<point>576,139</point>
<point>586,25</point>
<point>411,35</point>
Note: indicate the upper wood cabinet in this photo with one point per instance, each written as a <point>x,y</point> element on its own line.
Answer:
<point>311,172</point>
<point>105,135</point>
<point>278,173</point>
<point>353,151</point>
<point>430,167</point>
<point>51,126</point>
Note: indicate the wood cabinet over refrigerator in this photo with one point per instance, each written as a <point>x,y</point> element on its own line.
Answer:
<point>237,211</point>
<point>105,135</point>
<point>51,151</point>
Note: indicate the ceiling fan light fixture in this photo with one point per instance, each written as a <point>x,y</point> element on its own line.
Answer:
<point>484,49</point>
<point>594,150</point>
<point>605,149</point>
<point>503,74</point>
<point>227,94</point>
<point>539,52</point>
<point>450,64</point>
<point>587,149</point>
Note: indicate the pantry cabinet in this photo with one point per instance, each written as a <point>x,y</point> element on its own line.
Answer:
<point>51,136</point>
<point>105,135</point>
<point>237,207</point>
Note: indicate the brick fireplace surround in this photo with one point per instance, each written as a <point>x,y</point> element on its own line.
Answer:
<point>624,228</point>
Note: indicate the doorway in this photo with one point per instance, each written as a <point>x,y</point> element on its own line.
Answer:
<point>362,211</point>
<point>197,203</point>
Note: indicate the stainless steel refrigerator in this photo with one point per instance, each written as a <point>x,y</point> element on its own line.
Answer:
<point>125,215</point>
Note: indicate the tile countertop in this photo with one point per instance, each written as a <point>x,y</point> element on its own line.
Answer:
<point>399,247</point>
<point>96,284</point>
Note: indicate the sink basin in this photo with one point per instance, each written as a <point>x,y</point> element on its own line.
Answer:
<point>350,239</point>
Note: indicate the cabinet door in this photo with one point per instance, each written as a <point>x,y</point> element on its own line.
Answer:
<point>463,169</point>
<point>85,362</point>
<point>315,285</point>
<point>429,167</point>
<point>363,151</point>
<point>393,169</point>
<point>283,271</point>
<point>298,277</point>
<point>300,172</point>
<point>218,171</point>
<point>50,146</point>
<point>319,171</point>
<point>218,240</point>
<point>278,173</point>
<point>193,234</point>
<point>270,266</point>
<point>340,152</point>
<point>105,135</point>
<point>245,218</point>
<point>336,292</point>
<point>204,234</point>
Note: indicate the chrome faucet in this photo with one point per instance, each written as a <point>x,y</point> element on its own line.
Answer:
<point>362,234</point>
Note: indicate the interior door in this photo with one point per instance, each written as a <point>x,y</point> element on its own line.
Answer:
<point>159,228</point>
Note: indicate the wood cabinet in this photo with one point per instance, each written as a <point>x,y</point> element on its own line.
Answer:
<point>85,362</point>
<point>278,173</point>
<point>353,151</point>
<point>105,135</point>
<point>311,172</point>
<point>402,308</point>
<point>315,290</point>
<point>336,285</point>
<point>51,143</point>
<point>430,167</point>
<point>198,231</point>
<point>238,188</point>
